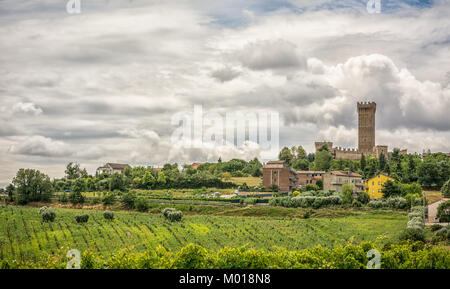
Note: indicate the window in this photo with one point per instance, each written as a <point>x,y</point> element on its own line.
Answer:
<point>373,183</point>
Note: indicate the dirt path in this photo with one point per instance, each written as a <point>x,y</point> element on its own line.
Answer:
<point>432,210</point>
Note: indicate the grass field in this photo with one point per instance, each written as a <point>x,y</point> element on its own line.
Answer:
<point>433,196</point>
<point>251,181</point>
<point>24,237</point>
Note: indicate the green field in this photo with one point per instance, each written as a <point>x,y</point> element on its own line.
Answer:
<point>24,237</point>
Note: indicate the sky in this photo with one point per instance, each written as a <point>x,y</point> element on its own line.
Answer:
<point>103,85</point>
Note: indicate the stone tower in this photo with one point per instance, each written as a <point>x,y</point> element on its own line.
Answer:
<point>366,126</point>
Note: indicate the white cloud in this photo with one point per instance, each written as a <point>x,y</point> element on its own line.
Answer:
<point>41,146</point>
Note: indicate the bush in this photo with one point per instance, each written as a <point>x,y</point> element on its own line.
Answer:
<point>96,201</point>
<point>141,204</point>
<point>413,234</point>
<point>128,200</point>
<point>172,214</point>
<point>82,218</point>
<point>443,212</point>
<point>356,203</point>
<point>108,215</point>
<point>435,227</point>
<point>250,201</point>
<point>363,197</point>
<point>47,214</point>
<point>311,187</point>
<point>307,214</point>
<point>445,190</point>
<point>76,198</point>
<point>63,198</point>
<point>109,199</point>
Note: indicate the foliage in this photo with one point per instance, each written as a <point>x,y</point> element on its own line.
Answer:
<point>82,218</point>
<point>47,214</point>
<point>108,215</point>
<point>311,187</point>
<point>445,190</point>
<point>443,212</point>
<point>76,198</point>
<point>407,255</point>
<point>141,204</point>
<point>322,160</point>
<point>128,199</point>
<point>172,214</point>
<point>347,194</point>
<point>109,199</point>
<point>32,186</point>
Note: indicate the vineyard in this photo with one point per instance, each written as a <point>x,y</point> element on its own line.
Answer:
<point>23,236</point>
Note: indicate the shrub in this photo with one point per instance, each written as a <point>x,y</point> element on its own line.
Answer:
<point>274,188</point>
<point>96,200</point>
<point>128,200</point>
<point>82,218</point>
<point>108,215</point>
<point>47,214</point>
<point>413,234</point>
<point>435,227</point>
<point>109,199</point>
<point>363,197</point>
<point>76,198</point>
<point>445,190</point>
<point>172,214</point>
<point>396,203</point>
<point>311,187</point>
<point>443,212</point>
<point>307,214</point>
<point>443,233</point>
<point>356,203</point>
<point>250,201</point>
<point>63,198</point>
<point>141,204</point>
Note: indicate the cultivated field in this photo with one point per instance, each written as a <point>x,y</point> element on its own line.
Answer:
<point>24,237</point>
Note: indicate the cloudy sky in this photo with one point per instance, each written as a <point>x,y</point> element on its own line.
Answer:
<point>103,85</point>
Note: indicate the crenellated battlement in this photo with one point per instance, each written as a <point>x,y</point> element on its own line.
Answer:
<point>368,104</point>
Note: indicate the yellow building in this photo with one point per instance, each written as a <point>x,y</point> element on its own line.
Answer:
<point>374,185</point>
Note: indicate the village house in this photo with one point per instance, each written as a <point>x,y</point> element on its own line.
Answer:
<point>309,177</point>
<point>278,173</point>
<point>374,185</point>
<point>334,180</point>
<point>111,168</point>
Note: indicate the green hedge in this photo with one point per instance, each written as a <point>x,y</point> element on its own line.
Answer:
<point>406,255</point>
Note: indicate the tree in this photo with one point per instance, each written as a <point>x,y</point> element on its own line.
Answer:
<point>148,181</point>
<point>301,164</point>
<point>161,179</point>
<point>347,194</point>
<point>32,186</point>
<point>301,153</point>
<point>79,186</point>
<point>382,162</point>
<point>445,190</point>
<point>443,212</point>
<point>391,189</point>
<point>116,182</point>
<point>10,190</point>
<point>363,162</point>
<point>319,183</point>
<point>286,155</point>
<point>322,160</point>
<point>73,171</point>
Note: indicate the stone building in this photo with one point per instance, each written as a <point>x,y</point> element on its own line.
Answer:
<point>111,168</point>
<point>334,180</point>
<point>278,173</point>
<point>366,137</point>
<point>308,177</point>
<point>366,126</point>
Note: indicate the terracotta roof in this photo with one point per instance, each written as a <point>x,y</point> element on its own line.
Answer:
<point>311,172</point>
<point>274,165</point>
<point>117,166</point>
<point>346,174</point>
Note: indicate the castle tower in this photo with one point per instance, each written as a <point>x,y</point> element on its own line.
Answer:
<point>366,126</point>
